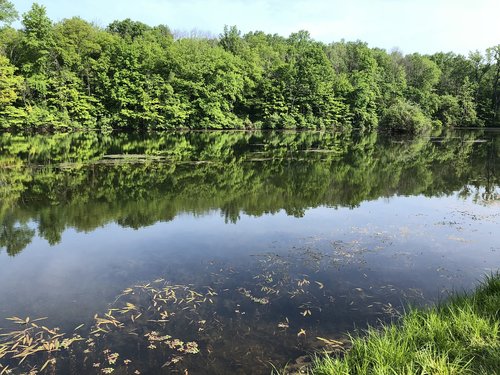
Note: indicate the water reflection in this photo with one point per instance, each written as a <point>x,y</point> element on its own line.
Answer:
<point>84,181</point>
<point>275,244</point>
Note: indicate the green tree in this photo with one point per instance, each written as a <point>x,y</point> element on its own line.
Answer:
<point>357,66</point>
<point>9,93</point>
<point>8,13</point>
<point>422,75</point>
<point>9,83</point>
<point>208,81</point>
<point>468,112</point>
<point>37,61</point>
<point>493,54</point>
<point>128,29</point>
<point>132,75</point>
<point>403,116</point>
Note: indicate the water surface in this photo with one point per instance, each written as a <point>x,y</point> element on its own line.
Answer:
<point>245,246</point>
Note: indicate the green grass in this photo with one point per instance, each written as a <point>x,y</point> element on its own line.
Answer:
<point>459,336</point>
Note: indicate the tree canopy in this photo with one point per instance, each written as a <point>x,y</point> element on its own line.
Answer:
<point>74,74</point>
<point>7,12</point>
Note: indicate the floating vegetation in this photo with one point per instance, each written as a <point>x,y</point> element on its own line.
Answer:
<point>141,312</point>
<point>284,324</point>
<point>286,298</point>
<point>331,342</point>
<point>248,294</point>
<point>32,340</point>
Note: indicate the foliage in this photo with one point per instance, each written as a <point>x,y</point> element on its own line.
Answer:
<point>406,117</point>
<point>7,12</point>
<point>9,84</point>
<point>74,74</point>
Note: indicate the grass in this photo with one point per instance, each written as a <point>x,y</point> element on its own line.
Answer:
<point>459,336</point>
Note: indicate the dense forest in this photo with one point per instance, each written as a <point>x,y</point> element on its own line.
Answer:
<point>74,74</point>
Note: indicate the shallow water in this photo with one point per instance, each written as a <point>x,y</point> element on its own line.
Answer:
<point>267,240</point>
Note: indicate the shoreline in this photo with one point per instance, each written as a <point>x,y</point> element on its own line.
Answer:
<point>461,335</point>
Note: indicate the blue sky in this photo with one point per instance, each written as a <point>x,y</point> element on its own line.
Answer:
<point>424,26</point>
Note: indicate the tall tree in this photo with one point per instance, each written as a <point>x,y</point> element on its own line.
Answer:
<point>10,84</point>
<point>36,62</point>
<point>130,74</point>
<point>8,13</point>
<point>493,54</point>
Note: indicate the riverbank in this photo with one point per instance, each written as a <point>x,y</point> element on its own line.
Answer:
<point>459,336</point>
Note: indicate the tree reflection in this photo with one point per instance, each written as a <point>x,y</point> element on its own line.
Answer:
<point>85,181</point>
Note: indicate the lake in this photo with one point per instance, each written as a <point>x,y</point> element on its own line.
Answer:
<point>231,252</point>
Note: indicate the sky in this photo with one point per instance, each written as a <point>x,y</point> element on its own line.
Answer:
<point>424,26</point>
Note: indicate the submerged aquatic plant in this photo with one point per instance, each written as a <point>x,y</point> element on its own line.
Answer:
<point>168,323</point>
<point>32,339</point>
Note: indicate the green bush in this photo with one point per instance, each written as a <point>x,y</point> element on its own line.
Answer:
<point>406,117</point>
<point>449,112</point>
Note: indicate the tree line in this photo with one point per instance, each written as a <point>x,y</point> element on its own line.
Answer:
<point>74,74</point>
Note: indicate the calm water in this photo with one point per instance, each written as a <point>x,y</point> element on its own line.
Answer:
<point>245,247</point>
